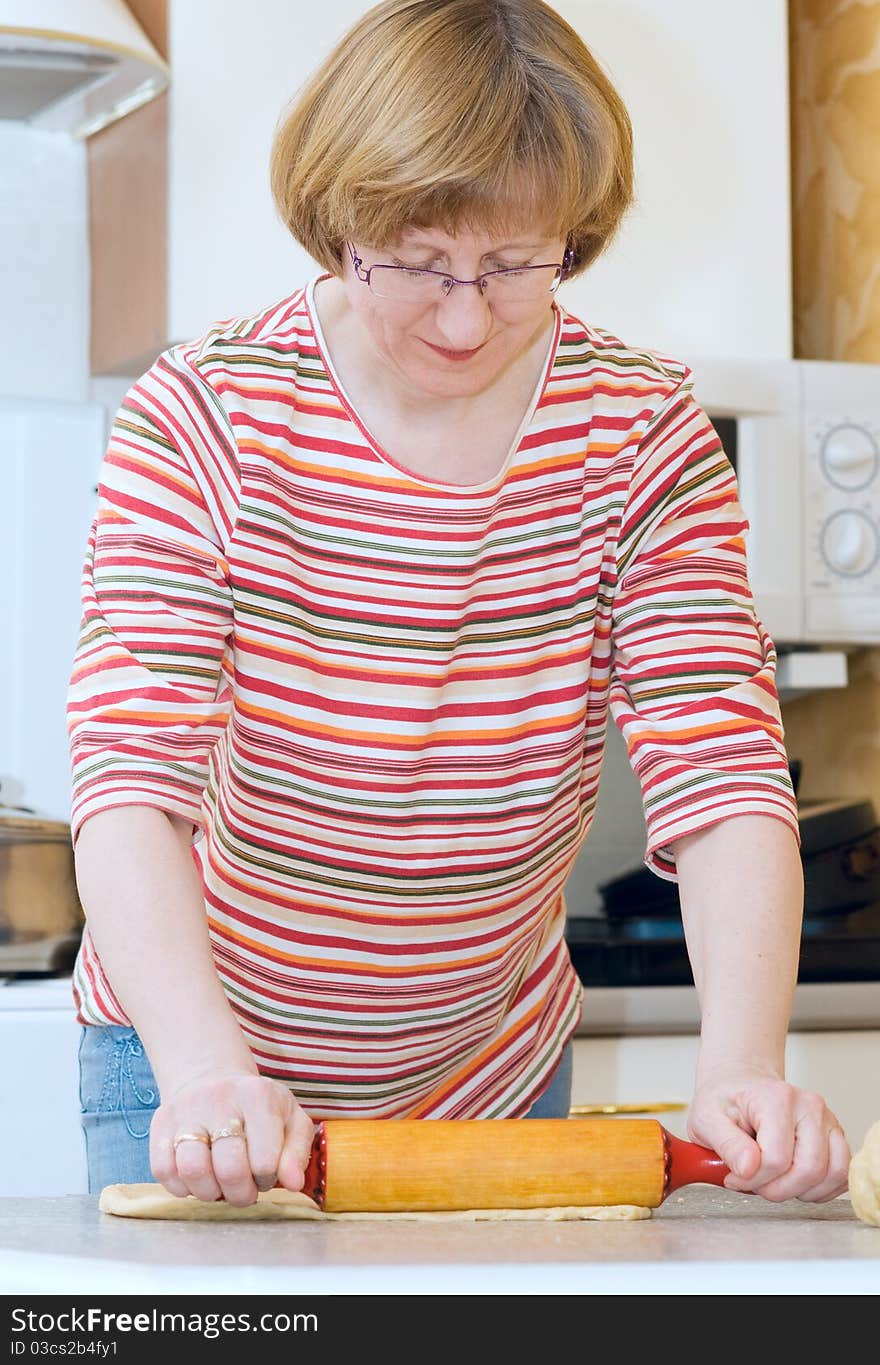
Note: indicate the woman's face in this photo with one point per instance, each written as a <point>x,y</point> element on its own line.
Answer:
<point>458,345</point>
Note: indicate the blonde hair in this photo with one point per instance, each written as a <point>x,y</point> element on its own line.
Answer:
<point>448,113</point>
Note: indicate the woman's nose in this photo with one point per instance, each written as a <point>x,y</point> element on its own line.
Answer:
<point>463,317</point>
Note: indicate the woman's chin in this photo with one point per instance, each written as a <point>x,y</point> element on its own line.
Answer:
<point>451,379</point>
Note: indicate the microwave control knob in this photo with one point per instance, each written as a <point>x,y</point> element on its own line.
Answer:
<point>849,543</point>
<point>850,457</point>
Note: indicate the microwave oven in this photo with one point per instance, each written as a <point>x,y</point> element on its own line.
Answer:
<point>804,438</point>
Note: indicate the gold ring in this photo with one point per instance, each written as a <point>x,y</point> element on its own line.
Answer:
<point>235,1130</point>
<point>191,1137</point>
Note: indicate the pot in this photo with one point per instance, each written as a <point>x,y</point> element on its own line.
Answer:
<point>38,895</point>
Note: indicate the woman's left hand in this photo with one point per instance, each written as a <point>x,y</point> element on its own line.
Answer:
<point>779,1141</point>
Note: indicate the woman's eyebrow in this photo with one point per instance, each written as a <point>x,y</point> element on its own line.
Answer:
<point>437,252</point>
<point>518,246</point>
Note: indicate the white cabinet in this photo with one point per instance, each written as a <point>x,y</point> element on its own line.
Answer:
<point>840,1065</point>
<point>702,266</point>
<point>44,276</point>
<point>51,454</point>
<point>42,1150</point>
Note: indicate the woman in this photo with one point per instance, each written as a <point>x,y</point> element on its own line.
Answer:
<point>368,571</point>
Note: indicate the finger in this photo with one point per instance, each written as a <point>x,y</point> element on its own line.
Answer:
<point>229,1159</point>
<point>775,1138</point>
<point>809,1162</point>
<point>737,1148</point>
<point>163,1163</point>
<point>299,1132</point>
<point>195,1169</point>
<point>836,1180</point>
<point>265,1140</point>
<point>746,1164</point>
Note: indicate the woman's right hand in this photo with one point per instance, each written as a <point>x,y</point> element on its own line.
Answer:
<point>271,1141</point>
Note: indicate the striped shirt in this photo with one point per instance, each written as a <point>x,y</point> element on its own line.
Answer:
<point>382,699</point>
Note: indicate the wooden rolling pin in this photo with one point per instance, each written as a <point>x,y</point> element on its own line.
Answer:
<point>395,1165</point>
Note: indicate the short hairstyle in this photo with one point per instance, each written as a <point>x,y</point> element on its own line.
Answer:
<point>454,113</point>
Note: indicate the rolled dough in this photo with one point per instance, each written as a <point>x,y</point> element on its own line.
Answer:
<point>864,1178</point>
<point>154,1201</point>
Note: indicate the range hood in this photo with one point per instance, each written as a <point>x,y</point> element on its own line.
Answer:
<point>74,66</point>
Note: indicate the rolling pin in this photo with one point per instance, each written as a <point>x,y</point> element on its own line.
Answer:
<point>428,1165</point>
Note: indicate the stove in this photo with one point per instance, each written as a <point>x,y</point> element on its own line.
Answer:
<point>652,952</point>
<point>638,939</point>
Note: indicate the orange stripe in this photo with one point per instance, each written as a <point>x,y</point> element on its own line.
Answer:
<point>351,968</point>
<point>557,658</point>
<point>739,726</point>
<point>166,717</point>
<point>405,741</point>
<point>476,1063</point>
<point>124,457</point>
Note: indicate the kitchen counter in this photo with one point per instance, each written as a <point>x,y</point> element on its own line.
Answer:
<point>607,1010</point>
<point>701,1241</point>
<point>624,1011</point>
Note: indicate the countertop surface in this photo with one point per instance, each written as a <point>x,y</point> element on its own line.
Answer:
<point>701,1240</point>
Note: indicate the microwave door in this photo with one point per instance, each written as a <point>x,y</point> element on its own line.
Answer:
<point>764,451</point>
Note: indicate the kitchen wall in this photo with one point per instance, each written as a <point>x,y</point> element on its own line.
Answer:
<point>703,261</point>
<point>835,127</point>
<point>712,166</point>
<point>711,210</point>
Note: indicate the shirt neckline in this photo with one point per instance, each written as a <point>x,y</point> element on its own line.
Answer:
<point>379,450</point>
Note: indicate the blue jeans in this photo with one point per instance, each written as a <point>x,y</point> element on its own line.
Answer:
<point>119,1096</point>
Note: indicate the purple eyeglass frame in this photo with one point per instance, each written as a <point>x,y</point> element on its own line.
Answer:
<point>450,281</point>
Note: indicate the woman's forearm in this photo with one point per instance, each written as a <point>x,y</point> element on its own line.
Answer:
<point>741,891</point>
<point>143,902</point>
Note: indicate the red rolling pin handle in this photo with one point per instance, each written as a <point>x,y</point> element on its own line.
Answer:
<point>314,1179</point>
<point>689,1164</point>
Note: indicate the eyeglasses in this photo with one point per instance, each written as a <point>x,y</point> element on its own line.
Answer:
<point>406,284</point>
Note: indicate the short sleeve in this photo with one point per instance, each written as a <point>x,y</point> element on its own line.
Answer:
<point>150,685</point>
<point>693,687</point>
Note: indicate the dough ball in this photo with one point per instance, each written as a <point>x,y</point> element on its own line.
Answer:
<point>864,1178</point>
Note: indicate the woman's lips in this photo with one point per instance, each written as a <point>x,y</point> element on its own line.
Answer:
<point>455,355</point>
